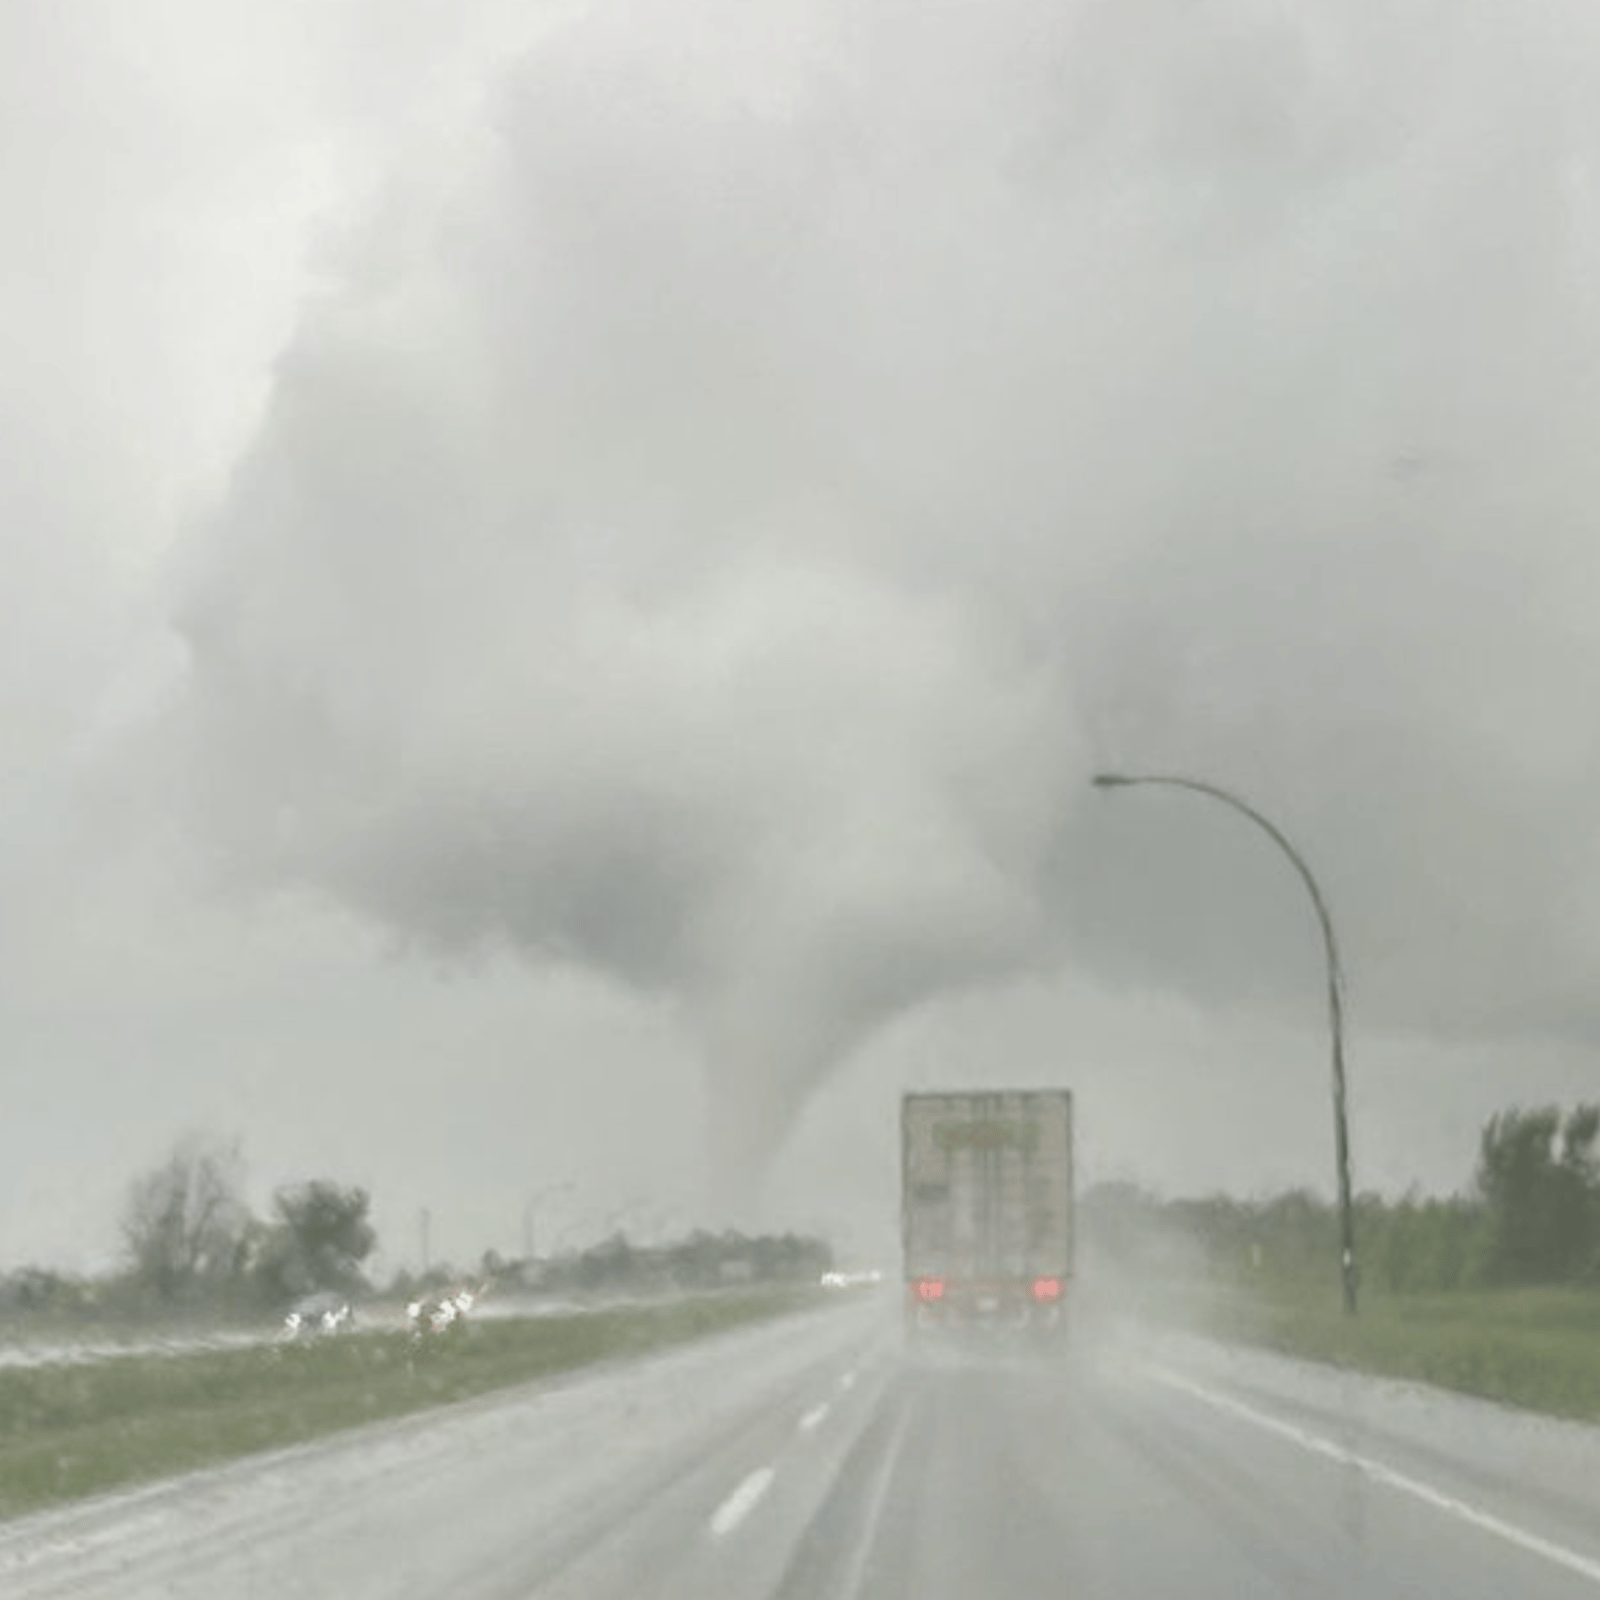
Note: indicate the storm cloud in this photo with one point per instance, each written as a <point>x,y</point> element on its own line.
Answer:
<point>747,472</point>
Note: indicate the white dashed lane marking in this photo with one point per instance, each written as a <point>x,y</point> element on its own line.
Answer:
<point>741,1502</point>
<point>748,1495</point>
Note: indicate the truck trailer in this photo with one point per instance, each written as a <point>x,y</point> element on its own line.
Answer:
<point>987,1212</point>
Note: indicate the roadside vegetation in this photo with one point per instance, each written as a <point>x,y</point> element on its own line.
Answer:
<point>1494,1291</point>
<point>89,1401</point>
<point>195,1258</point>
<point>1536,1348</point>
<point>194,1253</point>
<point>73,1430</point>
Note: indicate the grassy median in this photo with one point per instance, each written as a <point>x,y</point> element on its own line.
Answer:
<point>1536,1348</point>
<point>72,1430</point>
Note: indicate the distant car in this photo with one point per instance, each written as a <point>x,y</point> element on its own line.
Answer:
<point>318,1316</point>
<point>851,1280</point>
<point>429,1316</point>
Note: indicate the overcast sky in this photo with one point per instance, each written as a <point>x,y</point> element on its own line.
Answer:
<point>564,571</point>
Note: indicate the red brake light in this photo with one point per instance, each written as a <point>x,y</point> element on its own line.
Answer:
<point>930,1289</point>
<point>1046,1288</point>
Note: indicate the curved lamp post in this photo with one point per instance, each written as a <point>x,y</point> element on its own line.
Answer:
<point>1341,1131</point>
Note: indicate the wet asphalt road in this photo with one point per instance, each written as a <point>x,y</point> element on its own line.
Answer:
<point>816,1459</point>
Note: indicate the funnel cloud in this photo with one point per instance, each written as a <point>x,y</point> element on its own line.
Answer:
<point>741,476</point>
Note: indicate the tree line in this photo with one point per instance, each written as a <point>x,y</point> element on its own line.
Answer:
<point>191,1242</point>
<point>618,1265</point>
<point>702,1260</point>
<point>1531,1216</point>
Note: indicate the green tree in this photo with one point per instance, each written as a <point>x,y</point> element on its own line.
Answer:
<point>1539,1178</point>
<point>185,1226</point>
<point>319,1239</point>
<point>1450,1236</point>
<point>1421,1245</point>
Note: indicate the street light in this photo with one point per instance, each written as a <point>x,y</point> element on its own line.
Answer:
<point>1341,1130</point>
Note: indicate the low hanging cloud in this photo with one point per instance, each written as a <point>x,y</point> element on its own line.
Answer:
<point>744,478</point>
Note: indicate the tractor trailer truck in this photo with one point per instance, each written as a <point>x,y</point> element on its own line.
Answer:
<point>987,1212</point>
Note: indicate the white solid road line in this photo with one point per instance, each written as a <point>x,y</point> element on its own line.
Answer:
<point>741,1502</point>
<point>814,1418</point>
<point>1317,1444</point>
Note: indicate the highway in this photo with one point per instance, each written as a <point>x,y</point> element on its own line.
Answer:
<point>814,1459</point>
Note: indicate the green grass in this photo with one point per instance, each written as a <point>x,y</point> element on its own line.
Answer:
<point>67,1431</point>
<point>1536,1348</point>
